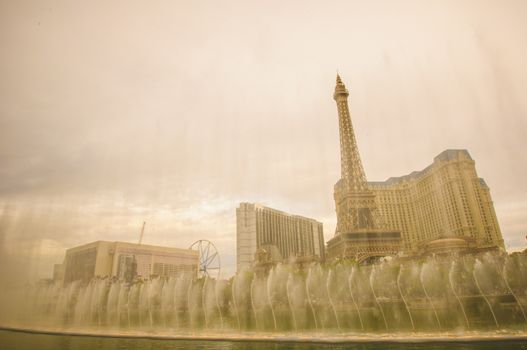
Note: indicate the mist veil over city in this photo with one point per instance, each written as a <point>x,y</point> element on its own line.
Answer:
<point>246,175</point>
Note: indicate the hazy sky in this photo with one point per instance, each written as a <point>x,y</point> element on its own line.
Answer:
<point>115,112</point>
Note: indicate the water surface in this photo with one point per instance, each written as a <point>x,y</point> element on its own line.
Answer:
<point>17,340</point>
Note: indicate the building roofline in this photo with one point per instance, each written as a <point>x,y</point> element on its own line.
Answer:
<point>261,206</point>
<point>446,156</point>
<point>117,244</point>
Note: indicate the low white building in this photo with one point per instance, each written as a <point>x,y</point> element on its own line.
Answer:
<point>114,259</point>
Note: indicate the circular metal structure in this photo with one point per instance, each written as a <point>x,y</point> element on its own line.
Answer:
<point>209,259</point>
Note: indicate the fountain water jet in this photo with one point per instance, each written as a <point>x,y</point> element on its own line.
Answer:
<point>427,295</point>
<point>352,274</point>
<point>308,279</point>
<point>402,296</point>
<point>269,279</point>
<point>450,279</point>
<point>387,295</point>
<point>372,274</point>
<point>483,294</point>
<point>330,273</point>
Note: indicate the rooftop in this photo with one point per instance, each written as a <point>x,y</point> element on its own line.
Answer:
<point>260,206</point>
<point>445,156</point>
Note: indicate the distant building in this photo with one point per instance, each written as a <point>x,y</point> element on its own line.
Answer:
<point>361,232</point>
<point>58,272</point>
<point>125,260</point>
<point>446,206</point>
<point>283,237</point>
<point>442,209</point>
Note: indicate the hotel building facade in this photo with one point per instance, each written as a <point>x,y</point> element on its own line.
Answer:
<point>446,201</point>
<point>442,209</point>
<point>283,236</point>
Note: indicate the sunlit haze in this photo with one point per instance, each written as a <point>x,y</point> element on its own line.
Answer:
<point>116,112</point>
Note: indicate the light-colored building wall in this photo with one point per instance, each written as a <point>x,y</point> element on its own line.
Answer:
<point>102,258</point>
<point>293,236</point>
<point>156,260</point>
<point>58,273</point>
<point>446,199</point>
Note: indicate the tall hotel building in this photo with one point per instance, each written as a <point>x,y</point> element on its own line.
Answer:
<point>283,235</point>
<point>444,208</point>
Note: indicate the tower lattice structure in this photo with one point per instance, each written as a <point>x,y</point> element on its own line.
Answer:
<point>355,202</point>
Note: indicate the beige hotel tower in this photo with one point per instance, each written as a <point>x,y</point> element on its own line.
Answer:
<point>442,209</point>
<point>283,236</point>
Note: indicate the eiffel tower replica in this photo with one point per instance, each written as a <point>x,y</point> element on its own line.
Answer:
<point>361,233</point>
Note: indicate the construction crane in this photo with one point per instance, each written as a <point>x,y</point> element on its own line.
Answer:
<point>142,232</point>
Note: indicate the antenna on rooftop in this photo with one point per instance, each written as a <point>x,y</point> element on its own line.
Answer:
<point>142,232</point>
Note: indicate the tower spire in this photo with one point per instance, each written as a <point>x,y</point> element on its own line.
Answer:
<point>361,231</point>
<point>351,168</point>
